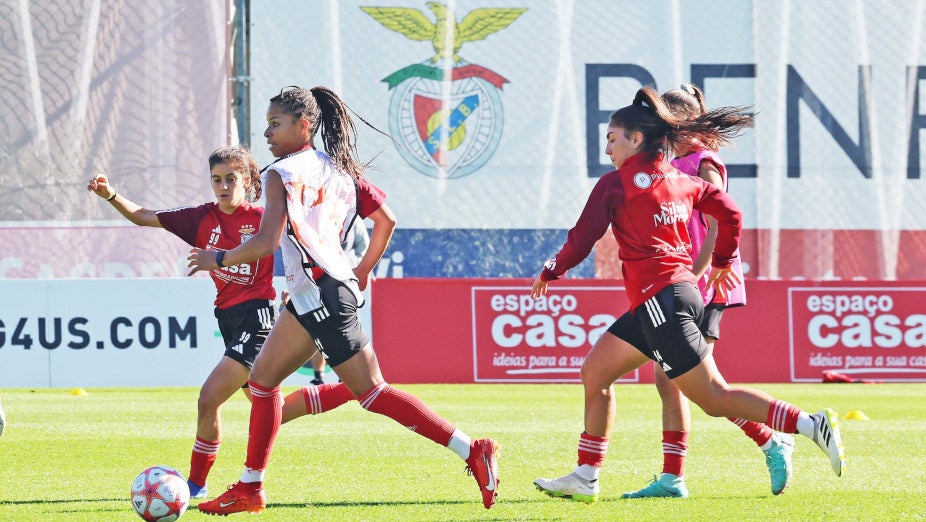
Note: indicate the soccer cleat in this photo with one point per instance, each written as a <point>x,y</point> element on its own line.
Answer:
<point>239,498</point>
<point>197,491</point>
<point>826,435</point>
<point>657,489</point>
<point>571,486</point>
<point>483,466</point>
<point>778,460</point>
<point>316,382</point>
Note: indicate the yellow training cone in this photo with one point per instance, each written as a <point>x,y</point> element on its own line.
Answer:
<point>79,391</point>
<point>856,415</point>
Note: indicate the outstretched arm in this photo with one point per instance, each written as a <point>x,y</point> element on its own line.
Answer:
<point>262,244</point>
<point>132,211</point>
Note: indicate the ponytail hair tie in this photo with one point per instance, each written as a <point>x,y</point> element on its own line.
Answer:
<point>687,87</point>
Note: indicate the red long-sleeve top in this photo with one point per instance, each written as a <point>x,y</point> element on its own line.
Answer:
<point>647,203</point>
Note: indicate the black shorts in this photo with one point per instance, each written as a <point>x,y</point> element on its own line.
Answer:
<point>710,323</point>
<point>244,328</point>
<point>665,328</point>
<point>335,326</point>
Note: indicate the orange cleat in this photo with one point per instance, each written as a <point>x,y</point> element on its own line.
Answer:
<point>482,465</point>
<point>239,498</point>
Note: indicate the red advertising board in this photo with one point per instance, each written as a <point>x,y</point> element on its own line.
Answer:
<point>517,338</point>
<point>877,332</point>
<point>490,330</point>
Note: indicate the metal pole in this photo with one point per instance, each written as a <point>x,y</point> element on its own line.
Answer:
<point>241,70</point>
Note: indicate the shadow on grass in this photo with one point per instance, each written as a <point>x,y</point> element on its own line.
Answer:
<point>62,501</point>
<point>388,503</point>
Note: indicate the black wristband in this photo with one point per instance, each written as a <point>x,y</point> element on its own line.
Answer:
<point>110,198</point>
<point>218,258</point>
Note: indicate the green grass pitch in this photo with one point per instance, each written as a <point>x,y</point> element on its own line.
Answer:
<point>66,457</point>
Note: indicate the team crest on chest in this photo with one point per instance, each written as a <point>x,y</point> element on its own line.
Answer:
<point>247,232</point>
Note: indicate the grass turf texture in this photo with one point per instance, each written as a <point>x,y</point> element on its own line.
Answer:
<point>67,457</point>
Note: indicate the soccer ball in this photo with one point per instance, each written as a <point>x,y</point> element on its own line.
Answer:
<point>160,494</point>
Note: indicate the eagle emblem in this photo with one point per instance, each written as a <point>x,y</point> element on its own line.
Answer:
<point>445,132</point>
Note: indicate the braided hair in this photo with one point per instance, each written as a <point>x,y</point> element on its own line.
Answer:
<point>327,113</point>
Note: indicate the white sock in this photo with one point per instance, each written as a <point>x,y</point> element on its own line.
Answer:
<point>806,425</point>
<point>252,475</point>
<point>768,444</point>
<point>588,472</point>
<point>670,479</point>
<point>460,443</point>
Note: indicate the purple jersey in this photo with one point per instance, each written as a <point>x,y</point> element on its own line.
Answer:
<point>697,227</point>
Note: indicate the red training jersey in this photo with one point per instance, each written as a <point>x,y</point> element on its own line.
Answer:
<point>209,228</point>
<point>647,204</point>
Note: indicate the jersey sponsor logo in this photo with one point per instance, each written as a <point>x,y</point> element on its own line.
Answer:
<point>642,180</point>
<point>671,212</point>
<point>445,112</point>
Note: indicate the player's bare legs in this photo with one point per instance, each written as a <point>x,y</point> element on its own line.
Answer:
<point>287,347</point>
<point>610,359</point>
<point>704,385</point>
<point>226,378</point>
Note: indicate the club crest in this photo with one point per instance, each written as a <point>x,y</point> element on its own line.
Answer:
<point>445,112</point>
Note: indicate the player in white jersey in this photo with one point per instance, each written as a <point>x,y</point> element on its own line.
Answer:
<point>312,201</point>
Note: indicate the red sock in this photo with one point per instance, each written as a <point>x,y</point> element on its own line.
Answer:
<point>674,450</point>
<point>592,449</point>
<point>325,397</point>
<point>782,416</point>
<point>754,430</point>
<point>407,410</point>
<point>266,415</point>
<point>204,453</point>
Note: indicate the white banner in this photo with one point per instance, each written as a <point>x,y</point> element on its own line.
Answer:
<point>525,96</point>
<point>109,332</point>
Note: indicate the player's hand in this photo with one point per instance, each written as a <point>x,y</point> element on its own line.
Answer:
<point>201,260</point>
<point>363,278</point>
<point>100,186</point>
<point>722,280</point>
<point>539,289</point>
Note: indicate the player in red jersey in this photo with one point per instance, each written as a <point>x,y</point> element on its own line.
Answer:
<point>700,159</point>
<point>312,199</point>
<point>647,203</point>
<point>244,302</point>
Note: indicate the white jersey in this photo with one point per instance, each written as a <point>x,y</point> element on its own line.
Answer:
<point>321,202</point>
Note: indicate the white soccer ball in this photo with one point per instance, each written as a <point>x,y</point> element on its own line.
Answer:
<point>160,494</point>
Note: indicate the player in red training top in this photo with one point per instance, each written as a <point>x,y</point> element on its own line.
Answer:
<point>244,302</point>
<point>700,159</point>
<point>647,203</point>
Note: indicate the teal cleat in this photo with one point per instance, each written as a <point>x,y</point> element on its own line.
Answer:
<point>778,460</point>
<point>571,487</point>
<point>197,491</point>
<point>657,488</point>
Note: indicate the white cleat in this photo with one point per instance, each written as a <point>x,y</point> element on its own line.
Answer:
<point>571,486</point>
<point>826,435</point>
